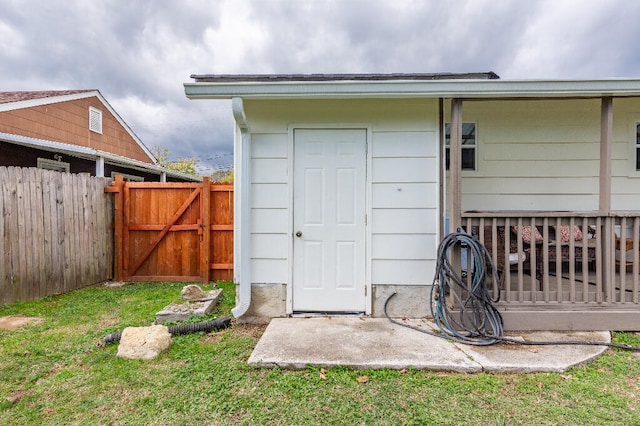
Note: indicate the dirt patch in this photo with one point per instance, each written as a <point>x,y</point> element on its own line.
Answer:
<point>13,322</point>
<point>16,396</point>
<point>251,330</point>
<point>254,331</point>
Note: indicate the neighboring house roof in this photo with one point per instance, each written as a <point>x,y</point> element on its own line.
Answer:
<point>10,101</point>
<point>470,85</point>
<point>92,154</point>
<point>6,97</point>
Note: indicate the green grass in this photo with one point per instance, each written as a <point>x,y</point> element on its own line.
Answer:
<point>58,372</point>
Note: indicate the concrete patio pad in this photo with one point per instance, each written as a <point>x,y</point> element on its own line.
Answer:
<point>362,343</point>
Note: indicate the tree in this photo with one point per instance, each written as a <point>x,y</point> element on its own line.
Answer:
<point>222,176</point>
<point>183,165</point>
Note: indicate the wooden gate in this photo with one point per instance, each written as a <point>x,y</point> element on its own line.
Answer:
<point>172,231</point>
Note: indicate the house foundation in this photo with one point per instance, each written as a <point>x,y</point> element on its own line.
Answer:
<point>270,301</point>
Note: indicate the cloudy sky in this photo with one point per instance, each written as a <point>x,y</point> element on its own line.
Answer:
<point>138,53</point>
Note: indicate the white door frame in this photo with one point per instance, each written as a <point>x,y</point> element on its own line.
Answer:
<point>328,126</point>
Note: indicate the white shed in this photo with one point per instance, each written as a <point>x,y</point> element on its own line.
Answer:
<point>343,191</point>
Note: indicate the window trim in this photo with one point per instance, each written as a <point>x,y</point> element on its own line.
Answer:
<point>54,165</point>
<point>636,146</point>
<point>95,120</point>
<point>127,177</point>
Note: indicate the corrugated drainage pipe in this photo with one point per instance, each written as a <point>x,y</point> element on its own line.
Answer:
<point>176,330</point>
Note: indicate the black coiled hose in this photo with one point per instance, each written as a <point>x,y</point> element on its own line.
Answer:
<point>478,321</point>
<point>176,330</point>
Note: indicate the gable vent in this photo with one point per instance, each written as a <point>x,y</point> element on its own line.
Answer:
<point>95,120</point>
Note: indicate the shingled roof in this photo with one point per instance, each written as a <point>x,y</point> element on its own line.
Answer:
<point>222,78</point>
<point>6,97</point>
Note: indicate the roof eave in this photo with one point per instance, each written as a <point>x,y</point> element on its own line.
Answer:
<point>92,154</point>
<point>471,88</point>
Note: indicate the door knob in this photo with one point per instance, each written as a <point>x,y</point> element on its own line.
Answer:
<point>298,234</point>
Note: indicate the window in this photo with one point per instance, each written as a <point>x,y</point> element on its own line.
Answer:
<point>56,165</point>
<point>127,178</point>
<point>95,120</point>
<point>468,145</point>
<point>637,146</point>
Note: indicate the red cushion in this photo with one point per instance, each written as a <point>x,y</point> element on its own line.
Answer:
<point>526,234</point>
<point>565,234</point>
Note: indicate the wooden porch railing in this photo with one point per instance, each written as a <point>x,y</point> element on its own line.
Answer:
<point>561,259</point>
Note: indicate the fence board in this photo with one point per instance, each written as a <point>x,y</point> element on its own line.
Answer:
<point>173,231</point>
<point>3,269</point>
<point>52,234</point>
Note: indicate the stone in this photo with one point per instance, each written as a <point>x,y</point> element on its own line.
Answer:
<point>114,284</point>
<point>192,292</point>
<point>144,342</point>
<point>183,312</point>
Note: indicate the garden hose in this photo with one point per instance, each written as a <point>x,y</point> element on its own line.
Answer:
<point>478,321</point>
<point>176,330</point>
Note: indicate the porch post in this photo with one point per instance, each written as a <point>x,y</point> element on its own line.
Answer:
<point>441,170</point>
<point>606,136</point>
<point>99,166</point>
<point>455,157</point>
<point>604,200</point>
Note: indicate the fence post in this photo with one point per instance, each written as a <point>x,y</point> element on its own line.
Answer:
<point>205,238</point>
<point>118,206</point>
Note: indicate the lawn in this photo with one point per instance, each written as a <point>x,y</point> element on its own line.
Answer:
<point>58,371</point>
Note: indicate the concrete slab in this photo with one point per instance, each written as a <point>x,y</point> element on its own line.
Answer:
<point>355,342</point>
<point>507,358</point>
<point>360,342</point>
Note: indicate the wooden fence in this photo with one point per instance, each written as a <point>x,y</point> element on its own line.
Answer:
<point>173,231</point>
<point>56,233</point>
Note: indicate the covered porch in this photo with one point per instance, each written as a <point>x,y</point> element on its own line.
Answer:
<point>558,270</point>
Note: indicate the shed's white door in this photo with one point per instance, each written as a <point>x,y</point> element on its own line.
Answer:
<point>329,212</point>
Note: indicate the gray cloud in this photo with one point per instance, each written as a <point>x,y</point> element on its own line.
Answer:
<point>139,53</point>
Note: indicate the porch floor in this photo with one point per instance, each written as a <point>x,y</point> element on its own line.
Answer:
<point>362,343</point>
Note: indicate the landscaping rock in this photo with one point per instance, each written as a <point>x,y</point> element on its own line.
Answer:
<point>192,292</point>
<point>114,284</point>
<point>184,311</point>
<point>144,342</point>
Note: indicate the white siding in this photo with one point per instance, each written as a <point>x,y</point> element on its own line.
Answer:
<point>271,271</point>
<point>269,208</point>
<point>625,185</point>
<point>404,206</point>
<point>411,272</point>
<point>545,155</point>
<point>405,195</point>
<point>402,221</point>
<point>534,155</point>
<point>404,183</point>
<point>270,196</point>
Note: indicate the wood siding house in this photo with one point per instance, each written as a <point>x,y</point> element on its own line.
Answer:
<point>346,184</point>
<point>74,131</point>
